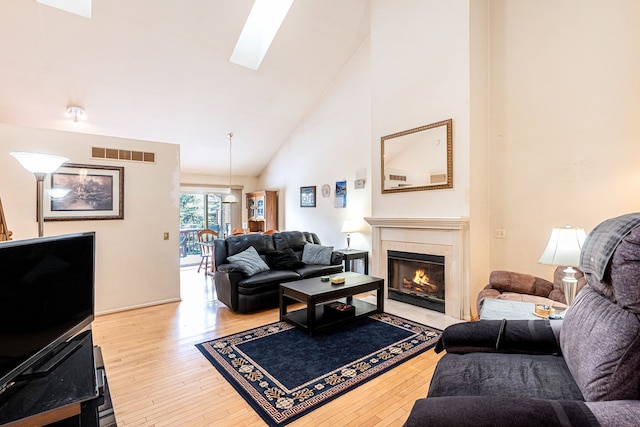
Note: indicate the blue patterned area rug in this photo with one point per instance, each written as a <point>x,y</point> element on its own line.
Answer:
<point>284,374</point>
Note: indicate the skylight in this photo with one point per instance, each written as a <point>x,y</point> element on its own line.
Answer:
<point>79,7</point>
<point>263,23</point>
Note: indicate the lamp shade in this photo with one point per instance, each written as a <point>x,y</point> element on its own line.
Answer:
<point>39,162</point>
<point>349,226</point>
<point>230,198</point>
<point>564,247</point>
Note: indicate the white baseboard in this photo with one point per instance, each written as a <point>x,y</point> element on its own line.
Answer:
<point>134,307</point>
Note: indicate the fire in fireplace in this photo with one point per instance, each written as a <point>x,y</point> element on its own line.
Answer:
<point>416,279</point>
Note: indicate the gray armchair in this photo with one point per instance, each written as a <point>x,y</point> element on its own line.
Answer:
<point>583,370</point>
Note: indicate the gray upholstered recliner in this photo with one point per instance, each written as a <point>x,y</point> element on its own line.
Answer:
<point>583,370</point>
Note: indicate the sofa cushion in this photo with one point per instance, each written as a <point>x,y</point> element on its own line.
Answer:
<point>262,243</point>
<point>503,374</point>
<point>248,261</point>
<point>510,281</point>
<point>600,342</point>
<point>504,411</point>
<point>290,240</point>
<point>285,259</point>
<point>314,270</point>
<point>317,254</point>
<point>294,240</point>
<point>265,281</point>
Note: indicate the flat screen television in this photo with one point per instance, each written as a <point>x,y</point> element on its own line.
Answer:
<point>46,297</point>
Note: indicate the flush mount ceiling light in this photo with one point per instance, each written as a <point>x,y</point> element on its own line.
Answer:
<point>263,23</point>
<point>75,112</point>
<point>78,7</point>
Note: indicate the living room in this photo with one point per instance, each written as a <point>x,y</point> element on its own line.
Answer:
<point>544,101</point>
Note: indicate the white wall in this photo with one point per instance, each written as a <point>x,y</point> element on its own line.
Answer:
<point>565,121</point>
<point>331,144</point>
<point>420,75</point>
<point>429,62</point>
<point>416,70</point>
<point>134,265</point>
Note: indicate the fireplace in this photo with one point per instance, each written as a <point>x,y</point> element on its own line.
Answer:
<point>446,237</point>
<point>417,278</point>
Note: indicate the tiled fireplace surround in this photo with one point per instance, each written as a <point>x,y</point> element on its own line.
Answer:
<point>446,237</point>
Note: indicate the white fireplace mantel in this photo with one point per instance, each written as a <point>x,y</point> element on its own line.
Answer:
<point>447,237</point>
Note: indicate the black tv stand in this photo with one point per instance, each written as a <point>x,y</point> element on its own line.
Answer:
<point>50,361</point>
<point>64,389</point>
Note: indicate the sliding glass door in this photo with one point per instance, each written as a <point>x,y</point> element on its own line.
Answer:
<point>197,212</point>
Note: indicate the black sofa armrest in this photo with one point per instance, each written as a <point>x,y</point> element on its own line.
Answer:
<point>336,258</point>
<point>219,252</point>
<point>503,336</point>
<point>226,283</point>
<point>480,411</point>
<point>228,268</point>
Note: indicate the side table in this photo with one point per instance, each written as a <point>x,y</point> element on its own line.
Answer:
<point>350,255</point>
<point>496,309</point>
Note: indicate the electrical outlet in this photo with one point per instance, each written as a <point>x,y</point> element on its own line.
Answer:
<point>166,236</point>
<point>499,233</point>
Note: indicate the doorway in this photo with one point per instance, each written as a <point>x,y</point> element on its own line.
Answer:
<point>199,211</point>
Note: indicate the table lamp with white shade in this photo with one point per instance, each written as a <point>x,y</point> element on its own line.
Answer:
<point>349,226</point>
<point>40,165</point>
<point>563,249</point>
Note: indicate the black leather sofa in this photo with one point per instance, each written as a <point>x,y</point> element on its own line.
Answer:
<point>244,294</point>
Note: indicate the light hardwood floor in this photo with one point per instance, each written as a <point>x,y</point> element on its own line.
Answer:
<point>157,376</point>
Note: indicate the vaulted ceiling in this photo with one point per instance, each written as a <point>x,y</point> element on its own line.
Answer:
<point>160,71</point>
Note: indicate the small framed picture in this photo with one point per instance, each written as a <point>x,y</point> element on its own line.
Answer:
<point>308,197</point>
<point>341,194</point>
<point>77,192</point>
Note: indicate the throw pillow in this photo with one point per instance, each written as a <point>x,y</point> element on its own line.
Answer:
<point>317,254</point>
<point>285,259</point>
<point>248,261</point>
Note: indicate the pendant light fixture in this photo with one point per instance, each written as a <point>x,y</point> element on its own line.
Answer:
<point>230,198</point>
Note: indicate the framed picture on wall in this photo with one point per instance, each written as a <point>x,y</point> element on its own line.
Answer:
<point>341,194</point>
<point>78,192</point>
<point>308,197</point>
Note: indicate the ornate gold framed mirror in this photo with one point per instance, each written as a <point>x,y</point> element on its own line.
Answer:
<point>418,159</point>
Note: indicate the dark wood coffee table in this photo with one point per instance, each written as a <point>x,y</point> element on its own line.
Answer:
<point>314,292</point>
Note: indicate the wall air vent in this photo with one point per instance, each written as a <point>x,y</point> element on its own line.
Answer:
<point>120,154</point>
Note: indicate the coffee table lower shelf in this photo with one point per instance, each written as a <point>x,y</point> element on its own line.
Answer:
<point>299,317</point>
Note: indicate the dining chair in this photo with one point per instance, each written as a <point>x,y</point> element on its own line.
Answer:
<point>205,240</point>
<point>237,231</point>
